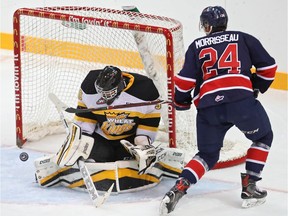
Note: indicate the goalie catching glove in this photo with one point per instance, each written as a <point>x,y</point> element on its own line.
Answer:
<point>142,150</point>
<point>76,146</point>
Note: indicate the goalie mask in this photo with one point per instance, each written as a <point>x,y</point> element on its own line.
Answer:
<point>213,18</point>
<point>109,83</point>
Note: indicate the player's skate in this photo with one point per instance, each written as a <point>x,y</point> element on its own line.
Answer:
<point>172,197</point>
<point>251,194</point>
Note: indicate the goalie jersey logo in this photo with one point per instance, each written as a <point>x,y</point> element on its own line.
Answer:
<point>117,123</point>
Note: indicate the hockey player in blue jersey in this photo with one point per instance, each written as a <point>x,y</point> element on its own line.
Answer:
<point>218,68</point>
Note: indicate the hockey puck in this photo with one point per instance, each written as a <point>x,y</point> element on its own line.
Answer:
<point>23,156</point>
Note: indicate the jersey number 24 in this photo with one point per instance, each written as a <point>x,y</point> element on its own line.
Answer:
<point>228,60</point>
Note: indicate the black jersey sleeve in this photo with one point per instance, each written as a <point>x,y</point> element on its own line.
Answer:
<point>141,87</point>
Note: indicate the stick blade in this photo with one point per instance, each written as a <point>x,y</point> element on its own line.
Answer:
<point>101,199</point>
<point>58,103</point>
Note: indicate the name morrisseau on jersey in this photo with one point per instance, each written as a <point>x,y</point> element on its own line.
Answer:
<point>216,40</point>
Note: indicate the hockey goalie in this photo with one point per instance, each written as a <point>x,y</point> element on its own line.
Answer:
<point>117,145</point>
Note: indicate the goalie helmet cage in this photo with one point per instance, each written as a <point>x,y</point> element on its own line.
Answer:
<point>55,48</point>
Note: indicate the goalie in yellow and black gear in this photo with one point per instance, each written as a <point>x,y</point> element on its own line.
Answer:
<point>118,145</point>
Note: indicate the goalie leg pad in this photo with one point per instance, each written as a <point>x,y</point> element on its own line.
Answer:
<point>168,155</point>
<point>76,145</point>
<point>170,160</point>
<point>45,167</point>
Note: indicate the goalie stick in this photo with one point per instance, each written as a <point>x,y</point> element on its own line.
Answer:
<point>64,107</point>
<point>151,65</point>
<point>95,197</point>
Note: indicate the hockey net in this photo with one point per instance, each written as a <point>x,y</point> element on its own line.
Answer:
<point>55,48</point>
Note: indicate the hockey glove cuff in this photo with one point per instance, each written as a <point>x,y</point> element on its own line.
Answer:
<point>182,105</point>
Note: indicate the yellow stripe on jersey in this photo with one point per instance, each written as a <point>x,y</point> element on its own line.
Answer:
<point>151,115</point>
<point>148,128</point>
<point>82,119</point>
<point>81,104</point>
<point>133,114</point>
<point>131,80</point>
<point>107,136</point>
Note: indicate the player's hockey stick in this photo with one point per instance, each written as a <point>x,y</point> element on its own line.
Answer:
<point>95,197</point>
<point>64,107</point>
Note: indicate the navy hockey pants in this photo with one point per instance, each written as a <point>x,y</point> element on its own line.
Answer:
<point>247,115</point>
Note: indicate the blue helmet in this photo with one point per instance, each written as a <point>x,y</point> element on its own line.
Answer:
<point>215,17</point>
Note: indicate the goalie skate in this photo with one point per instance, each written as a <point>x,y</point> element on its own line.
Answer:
<point>172,197</point>
<point>251,194</point>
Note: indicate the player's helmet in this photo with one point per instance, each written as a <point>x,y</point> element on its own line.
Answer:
<point>109,83</point>
<point>215,17</point>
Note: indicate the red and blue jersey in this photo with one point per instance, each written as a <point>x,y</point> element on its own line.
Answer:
<point>218,68</point>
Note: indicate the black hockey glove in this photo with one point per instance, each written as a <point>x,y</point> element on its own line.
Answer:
<point>254,85</point>
<point>182,106</point>
<point>256,92</point>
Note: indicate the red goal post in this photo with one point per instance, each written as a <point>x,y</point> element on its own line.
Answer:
<point>55,48</point>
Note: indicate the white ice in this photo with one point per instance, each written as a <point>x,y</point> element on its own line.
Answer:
<point>217,193</point>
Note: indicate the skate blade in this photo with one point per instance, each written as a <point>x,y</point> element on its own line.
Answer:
<point>248,203</point>
<point>163,208</point>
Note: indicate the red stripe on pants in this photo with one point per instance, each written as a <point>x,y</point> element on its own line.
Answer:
<point>197,167</point>
<point>257,154</point>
